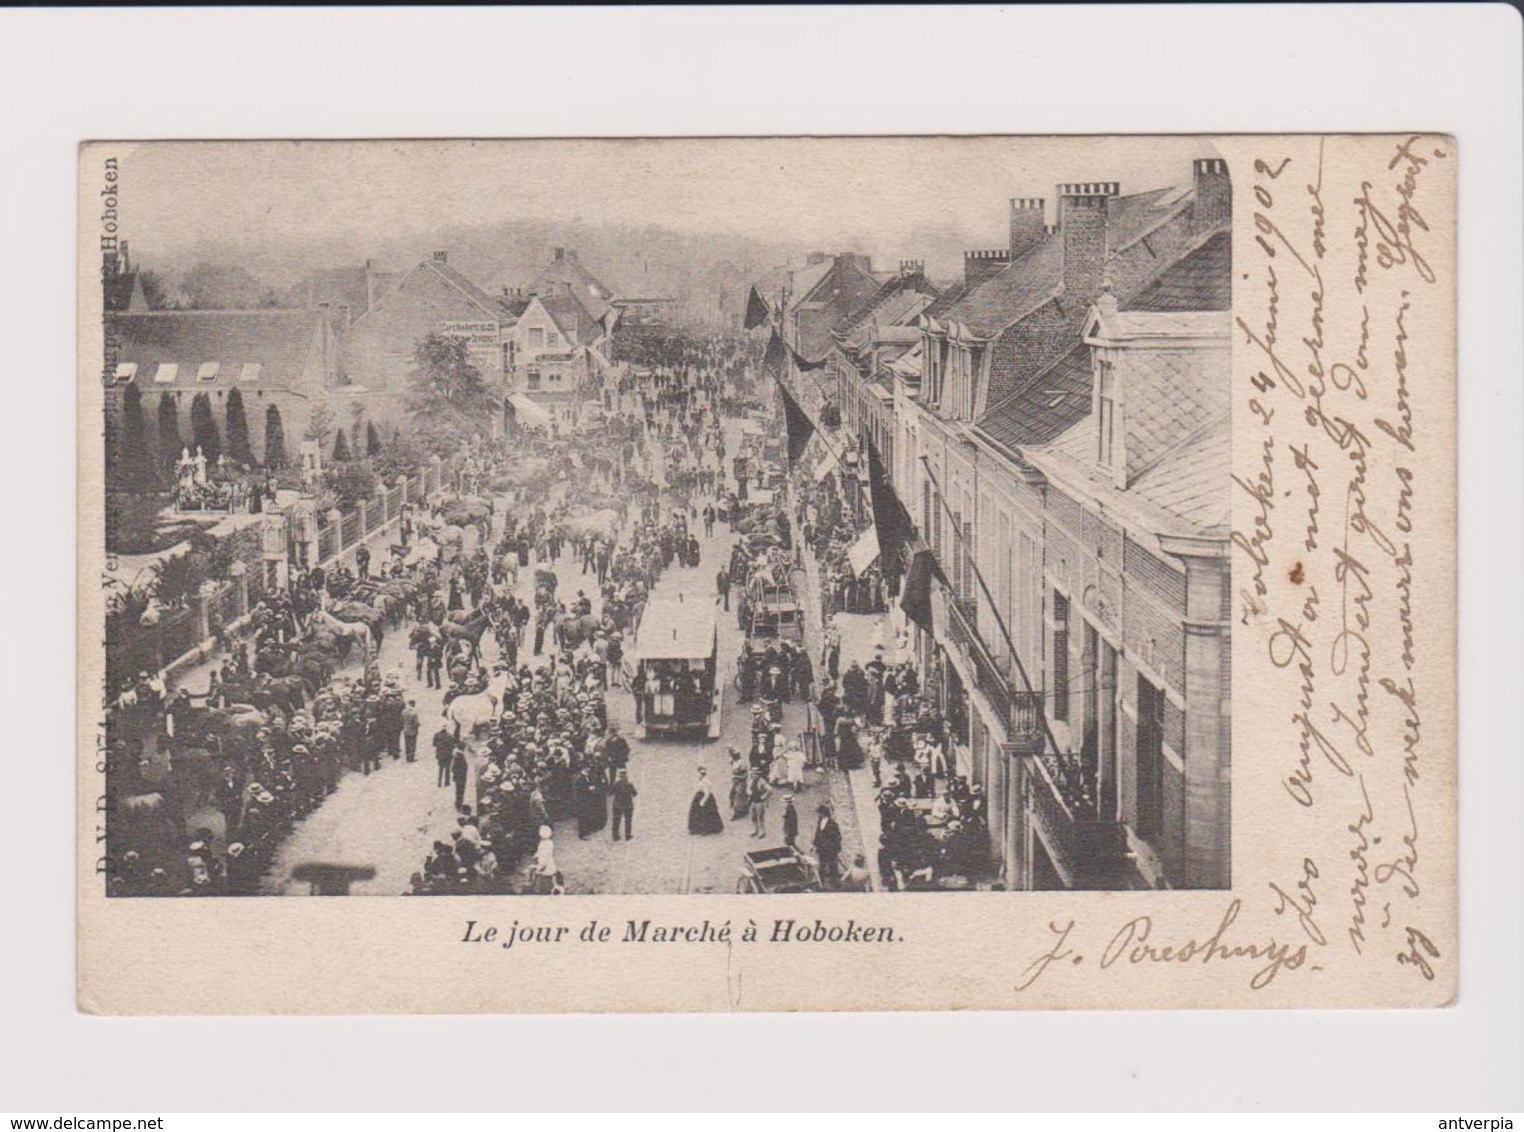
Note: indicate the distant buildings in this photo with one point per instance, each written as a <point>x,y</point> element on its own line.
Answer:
<point>1057,425</point>
<point>351,347</point>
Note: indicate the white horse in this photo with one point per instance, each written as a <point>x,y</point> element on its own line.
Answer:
<point>479,709</point>
<point>357,631</point>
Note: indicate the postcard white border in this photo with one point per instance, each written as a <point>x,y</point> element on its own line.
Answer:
<point>350,73</point>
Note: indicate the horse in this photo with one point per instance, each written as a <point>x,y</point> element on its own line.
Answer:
<point>476,710</point>
<point>573,632</point>
<point>356,632</point>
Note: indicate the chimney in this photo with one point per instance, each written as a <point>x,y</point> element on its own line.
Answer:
<point>571,256</point>
<point>370,285</point>
<point>816,259</point>
<point>979,266</point>
<point>560,254</point>
<point>910,268</point>
<point>441,257</point>
<point>1027,228</point>
<point>126,263</point>
<point>1083,208</point>
<point>1214,196</point>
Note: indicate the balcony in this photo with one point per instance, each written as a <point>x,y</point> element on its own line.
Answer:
<point>1021,711</point>
<point>1089,851</point>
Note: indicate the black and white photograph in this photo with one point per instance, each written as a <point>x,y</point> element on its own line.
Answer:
<point>771,516</point>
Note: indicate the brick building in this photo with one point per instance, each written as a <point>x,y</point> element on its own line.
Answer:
<point>286,359</point>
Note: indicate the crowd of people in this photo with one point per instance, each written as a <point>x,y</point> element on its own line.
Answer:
<point>599,518</point>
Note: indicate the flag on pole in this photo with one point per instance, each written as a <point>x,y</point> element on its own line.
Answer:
<point>757,311</point>
<point>800,427</point>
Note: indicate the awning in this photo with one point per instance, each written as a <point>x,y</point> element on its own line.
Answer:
<point>864,551</point>
<point>529,411</point>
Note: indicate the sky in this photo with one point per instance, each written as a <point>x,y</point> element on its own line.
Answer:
<point>881,196</point>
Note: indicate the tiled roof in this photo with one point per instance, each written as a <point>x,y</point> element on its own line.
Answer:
<point>844,288</point>
<point>947,300</point>
<point>1050,404</point>
<point>1028,415</point>
<point>480,298</point>
<point>574,319</point>
<point>1185,493</point>
<point>1023,286</point>
<point>210,349</point>
<point>568,272</point>
<point>1201,280</point>
<point>896,305</point>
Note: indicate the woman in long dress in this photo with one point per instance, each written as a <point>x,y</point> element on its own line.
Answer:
<point>704,811</point>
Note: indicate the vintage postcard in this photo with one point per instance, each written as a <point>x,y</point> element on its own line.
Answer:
<point>767,574</point>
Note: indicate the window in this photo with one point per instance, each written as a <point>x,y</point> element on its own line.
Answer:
<point>536,337</point>
<point>249,372</point>
<point>534,377</point>
<point>207,371</point>
<point>165,374</point>
<point>510,351</point>
<point>125,372</point>
<point>1105,419</point>
<point>1150,759</point>
<point>552,339</point>
<point>1060,657</point>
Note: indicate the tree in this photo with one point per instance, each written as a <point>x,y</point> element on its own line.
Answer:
<point>155,293</point>
<point>372,439</point>
<point>239,449</point>
<point>170,444</point>
<point>134,467</point>
<point>340,448</point>
<point>204,429</point>
<point>320,426</point>
<point>447,396</point>
<point>275,440</point>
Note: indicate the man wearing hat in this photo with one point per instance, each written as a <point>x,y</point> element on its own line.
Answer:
<point>827,846</point>
<point>624,804</point>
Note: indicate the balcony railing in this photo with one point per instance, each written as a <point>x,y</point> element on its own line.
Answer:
<point>1089,852</point>
<point>1021,710</point>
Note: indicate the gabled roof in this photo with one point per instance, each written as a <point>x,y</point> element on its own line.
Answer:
<point>488,307</point>
<point>567,272</point>
<point>1027,283</point>
<point>896,303</point>
<point>1035,413</point>
<point>573,319</point>
<point>793,282</point>
<point>487,304</point>
<point>211,349</point>
<point>844,287</point>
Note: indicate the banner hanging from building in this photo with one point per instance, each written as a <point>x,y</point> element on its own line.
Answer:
<point>772,357</point>
<point>916,600</point>
<point>800,427</point>
<point>896,531</point>
<point>757,311</point>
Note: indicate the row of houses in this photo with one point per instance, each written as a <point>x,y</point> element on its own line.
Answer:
<point>350,347</point>
<point>1056,425</point>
